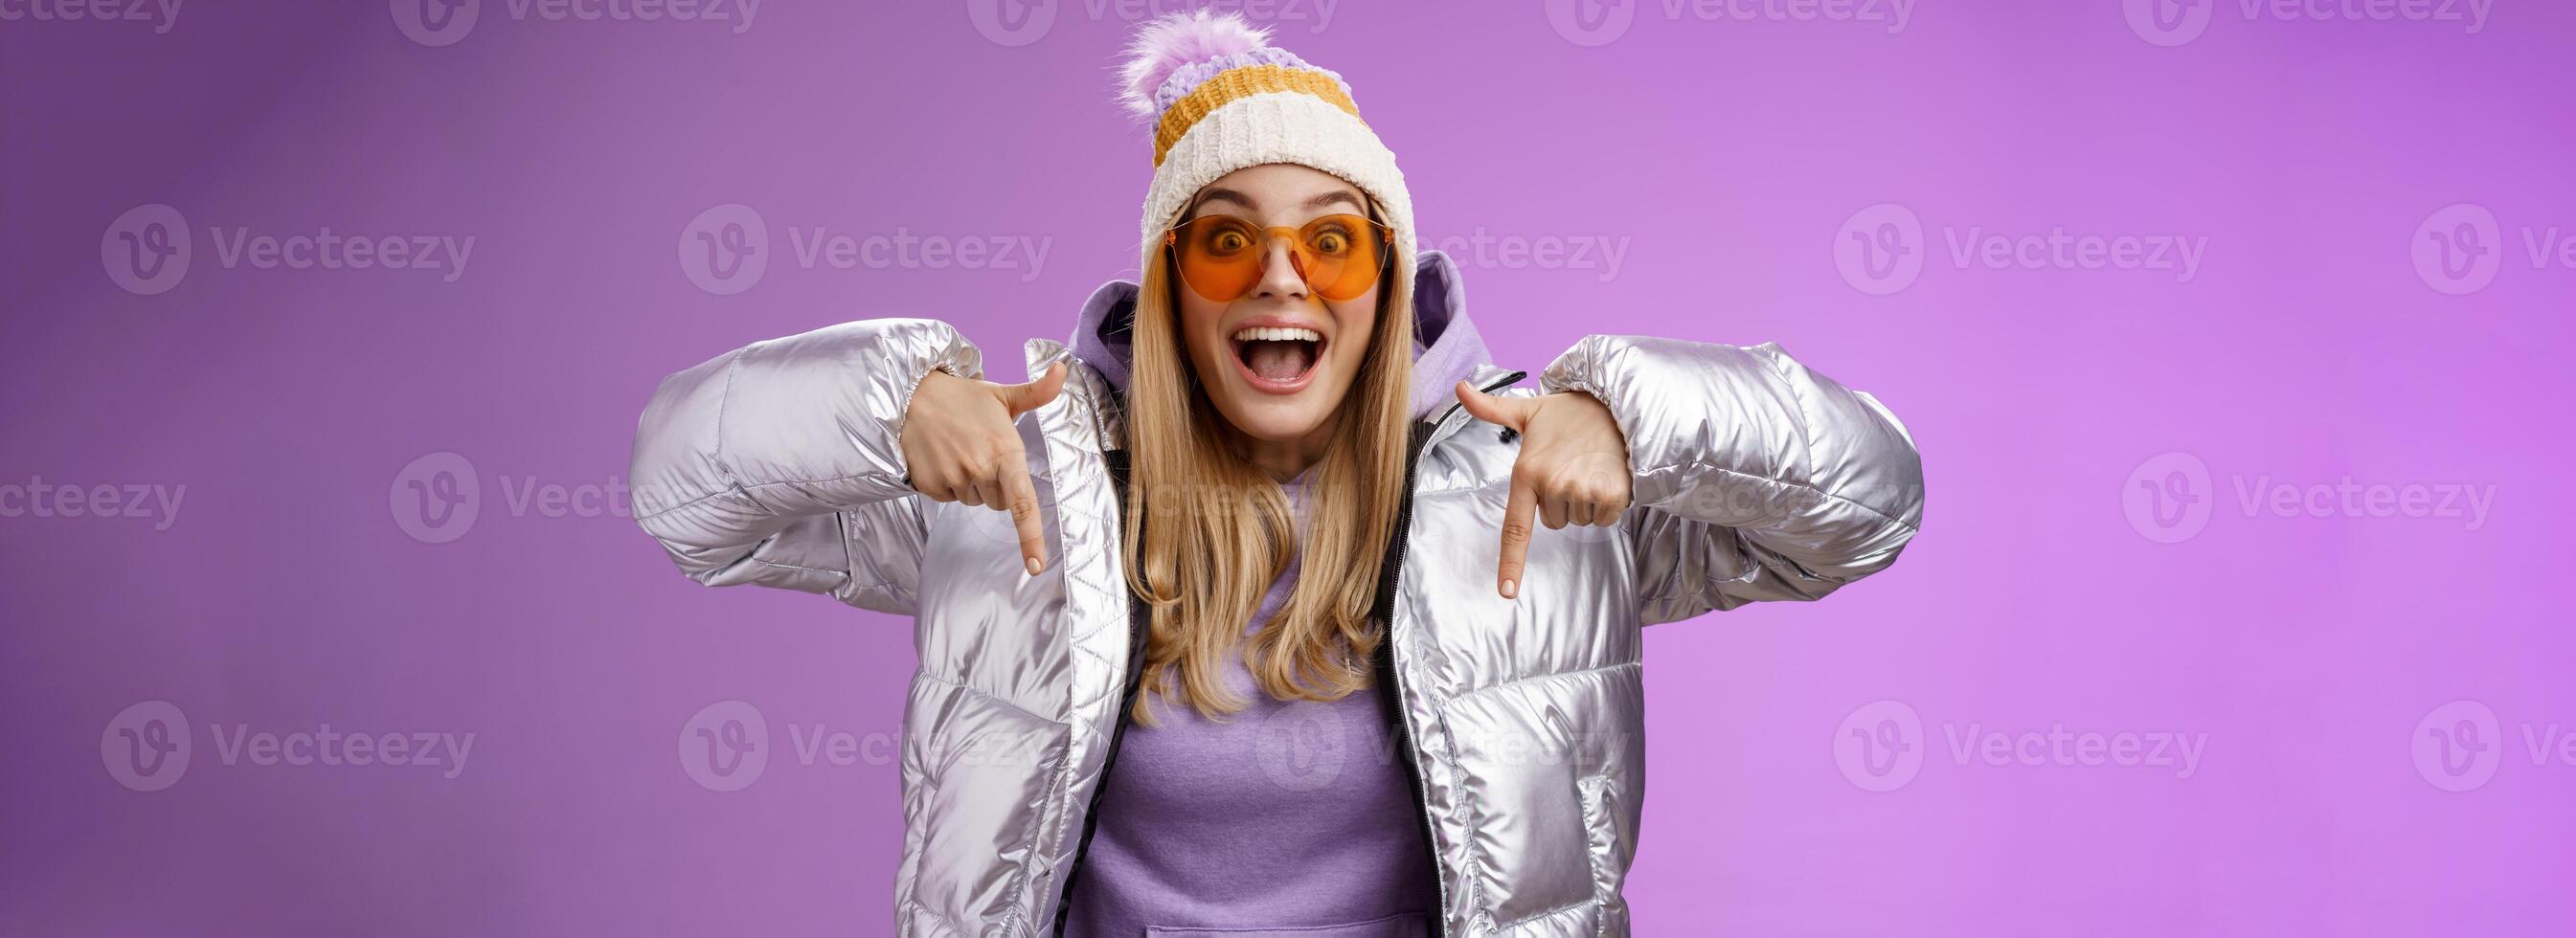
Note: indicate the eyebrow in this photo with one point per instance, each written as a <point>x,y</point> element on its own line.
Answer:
<point>1338,195</point>
<point>1228,195</point>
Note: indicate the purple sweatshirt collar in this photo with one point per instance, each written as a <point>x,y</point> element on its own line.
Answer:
<point>1446,347</point>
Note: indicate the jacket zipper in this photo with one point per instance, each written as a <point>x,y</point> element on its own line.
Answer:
<point>1117,460</point>
<point>1390,678</point>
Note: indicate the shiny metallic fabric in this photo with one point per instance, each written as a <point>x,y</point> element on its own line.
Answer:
<point>1756,479</point>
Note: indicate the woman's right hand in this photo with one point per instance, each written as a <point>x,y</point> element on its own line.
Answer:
<point>960,446</point>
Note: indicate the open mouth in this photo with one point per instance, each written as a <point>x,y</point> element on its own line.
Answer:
<point>1278,358</point>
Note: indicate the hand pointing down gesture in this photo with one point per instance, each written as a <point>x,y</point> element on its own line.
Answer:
<point>1573,467</point>
<point>960,446</point>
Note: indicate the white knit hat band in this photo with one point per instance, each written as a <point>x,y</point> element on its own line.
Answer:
<point>1280,127</point>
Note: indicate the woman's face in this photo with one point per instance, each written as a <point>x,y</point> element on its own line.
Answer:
<point>1278,360</point>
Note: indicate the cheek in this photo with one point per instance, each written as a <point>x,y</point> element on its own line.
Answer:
<point>1198,327</point>
<point>1354,327</point>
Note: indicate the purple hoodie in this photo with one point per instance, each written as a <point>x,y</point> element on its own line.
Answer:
<point>1290,817</point>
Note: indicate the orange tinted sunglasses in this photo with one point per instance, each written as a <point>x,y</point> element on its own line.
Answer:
<point>1222,257</point>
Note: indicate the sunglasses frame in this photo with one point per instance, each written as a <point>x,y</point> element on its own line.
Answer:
<point>1294,234</point>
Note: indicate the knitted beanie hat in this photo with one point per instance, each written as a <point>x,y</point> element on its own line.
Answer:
<point>1223,98</point>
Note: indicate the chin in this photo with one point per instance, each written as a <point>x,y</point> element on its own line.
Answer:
<point>1274,423</point>
<point>1275,419</point>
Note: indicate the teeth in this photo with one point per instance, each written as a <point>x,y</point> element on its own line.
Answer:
<point>1277,334</point>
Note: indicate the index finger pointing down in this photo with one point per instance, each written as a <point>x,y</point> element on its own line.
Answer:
<point>1022,497</point>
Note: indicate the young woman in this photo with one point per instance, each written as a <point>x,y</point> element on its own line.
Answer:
<point>1239,618</point>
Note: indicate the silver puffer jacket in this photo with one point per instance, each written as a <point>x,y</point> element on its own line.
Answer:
<point>1523,721</point>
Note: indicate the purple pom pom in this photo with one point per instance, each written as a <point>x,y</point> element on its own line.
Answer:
<point>1171,42</point>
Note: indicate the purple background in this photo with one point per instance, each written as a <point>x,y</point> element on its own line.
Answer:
<point>1730,156</point>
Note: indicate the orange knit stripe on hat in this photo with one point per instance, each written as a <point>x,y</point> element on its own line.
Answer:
<point>1237,83</point>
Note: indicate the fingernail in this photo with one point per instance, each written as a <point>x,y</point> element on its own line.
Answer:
<point>1511,589</point>
<point>1035,566</point>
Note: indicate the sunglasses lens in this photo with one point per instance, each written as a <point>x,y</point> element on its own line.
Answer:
<point>1220,256</point>
<point>1342,254</point>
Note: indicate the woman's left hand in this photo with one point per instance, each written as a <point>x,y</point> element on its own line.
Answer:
<point>1573,467</point>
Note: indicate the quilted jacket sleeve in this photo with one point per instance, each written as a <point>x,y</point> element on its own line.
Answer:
<point>1756,478</point>
<point>778,464</point>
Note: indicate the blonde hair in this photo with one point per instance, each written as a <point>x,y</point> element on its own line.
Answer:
<point>1208,532</point>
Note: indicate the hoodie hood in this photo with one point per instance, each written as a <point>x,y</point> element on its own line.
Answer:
<point>1446,347</point>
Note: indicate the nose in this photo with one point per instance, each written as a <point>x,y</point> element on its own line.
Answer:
<point>1280,276</point>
